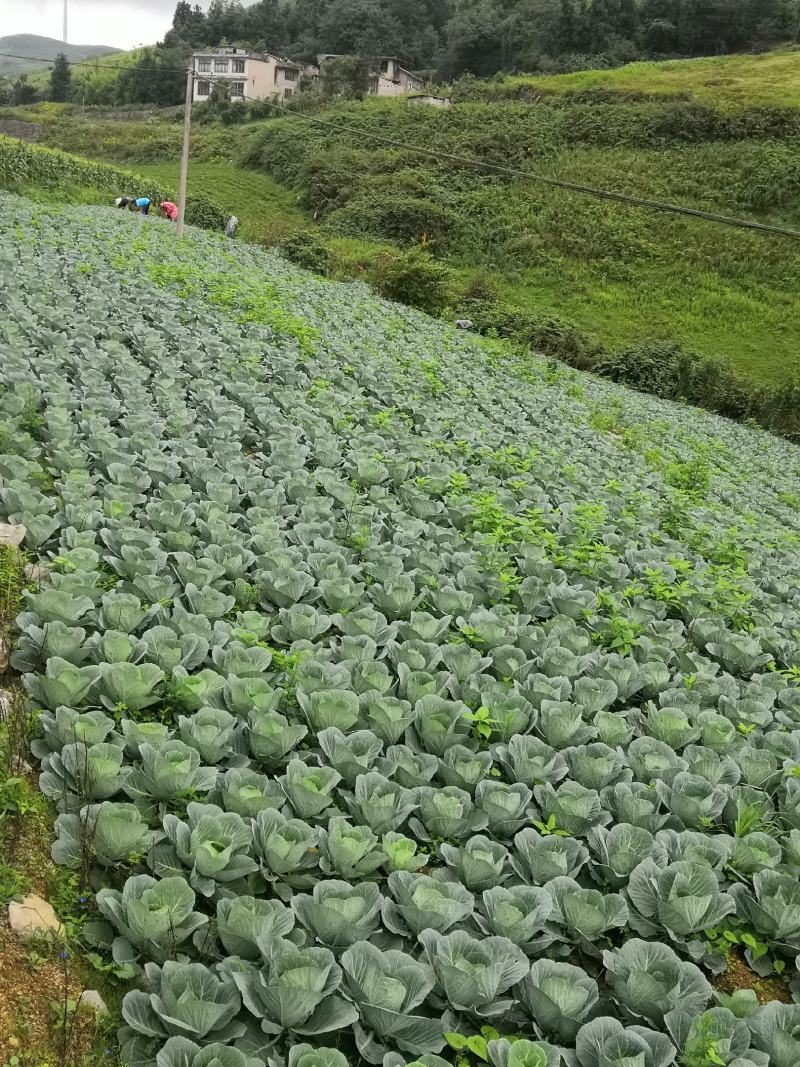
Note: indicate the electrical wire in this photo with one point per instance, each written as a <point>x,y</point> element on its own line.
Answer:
<point>94,59</point>
<point>558,183</point>
<point>479,164</point>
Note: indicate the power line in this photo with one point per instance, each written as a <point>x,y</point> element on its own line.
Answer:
<point>559,183</point>
<point>479,164</point>
<point>98,66</point>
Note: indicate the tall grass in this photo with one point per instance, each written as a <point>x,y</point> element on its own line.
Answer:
<point>728,82</point>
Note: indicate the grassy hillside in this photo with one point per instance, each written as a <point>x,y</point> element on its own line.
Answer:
<point>728,82</point>
<point>266,210</point>
<point>622,276</point>
<point>375,668</point>
<point>47,48</point>
<point>96,74</point>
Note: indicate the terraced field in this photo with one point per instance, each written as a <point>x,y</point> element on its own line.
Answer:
<point>266,210</point>
<point>400,703</point>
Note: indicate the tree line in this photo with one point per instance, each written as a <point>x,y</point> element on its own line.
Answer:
<point>442,38</point>
<point>483,37</point>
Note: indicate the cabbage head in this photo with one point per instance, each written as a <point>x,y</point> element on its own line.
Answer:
<point>472,973</point>
<point>386,987</point>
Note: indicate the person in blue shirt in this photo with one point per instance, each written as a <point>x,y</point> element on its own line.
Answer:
<point>142,205</point>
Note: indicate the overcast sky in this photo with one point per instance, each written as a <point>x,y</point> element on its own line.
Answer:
<point>120,23</point>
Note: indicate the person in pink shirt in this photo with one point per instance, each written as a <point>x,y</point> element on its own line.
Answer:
<point>169,210</point>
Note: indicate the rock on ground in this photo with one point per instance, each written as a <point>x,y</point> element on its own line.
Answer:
<point>94,1000</point>
<point>33,917</point>
<point>12,535</point>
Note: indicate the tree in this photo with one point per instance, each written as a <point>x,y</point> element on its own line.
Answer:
<point>360,27</point>
<point>224,22</point>
<point>188,24</point>
<point>264,26</point>
<point>474,39</point>
<point>346,76</point>
<point>157,78</point>
<point>22,92</point>
<point>60,79</point>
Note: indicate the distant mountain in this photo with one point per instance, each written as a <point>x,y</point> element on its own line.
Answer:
<point>47,48</point>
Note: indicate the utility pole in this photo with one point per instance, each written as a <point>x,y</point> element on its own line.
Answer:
<point>187,126</point>
<point>65,22</point>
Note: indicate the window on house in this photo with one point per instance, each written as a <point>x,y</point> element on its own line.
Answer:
<point>237,88</point>
<point>385,63</point>
<point>220,66</point>
<point>287,93</point>
<point>290,75</point>
<point>204,66</point>
<point>203,88</point>
<point>238,66</point>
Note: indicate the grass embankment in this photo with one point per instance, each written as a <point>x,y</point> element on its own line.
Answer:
<point>729,82</point>
<point>266,210</point>
<point>620,273</point>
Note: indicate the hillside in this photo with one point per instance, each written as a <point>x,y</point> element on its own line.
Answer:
<point>521,253</point>
<point>623,275</point>
<point>728,82</point>
<point>399,689</point>
<point>47,48</point>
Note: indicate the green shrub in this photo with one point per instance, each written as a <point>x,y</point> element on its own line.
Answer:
<point>778,409</point>
<point>412,277</point>
<point>546,334</point>
<point>671,372</point>
<point>201,212</point>
<point>661,368</point>
<point>307,249</point>
<point>587,229</point>
<point>404,219</point>
<point>331,179</point>
<point>482,286</point>
<point>768,180</point>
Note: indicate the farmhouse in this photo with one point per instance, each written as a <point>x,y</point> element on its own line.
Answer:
<point>386,77</point>
<point>248,75</point>
<point>390,79</point>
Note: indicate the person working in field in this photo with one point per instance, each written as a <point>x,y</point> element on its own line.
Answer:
<point>169,210</point>
<point>123,201</point>
<point>142,205</point>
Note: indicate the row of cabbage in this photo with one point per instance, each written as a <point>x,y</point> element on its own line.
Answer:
<point>384,701</point>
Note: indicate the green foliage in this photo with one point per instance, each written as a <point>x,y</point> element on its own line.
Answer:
<point>403,219</point>
<point>201,212</point>
<point>412,277</point>
<point>23,164</point>
<point>538,332</point>
<point>307,249</point>
<point>60,79</point>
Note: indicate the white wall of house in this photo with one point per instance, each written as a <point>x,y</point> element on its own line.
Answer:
<point>265,77</point>
<point>429,101</point>
<point>394,80</point>
<point>248,77</point>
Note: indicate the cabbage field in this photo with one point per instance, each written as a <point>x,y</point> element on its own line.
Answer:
<point>402,700</point>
